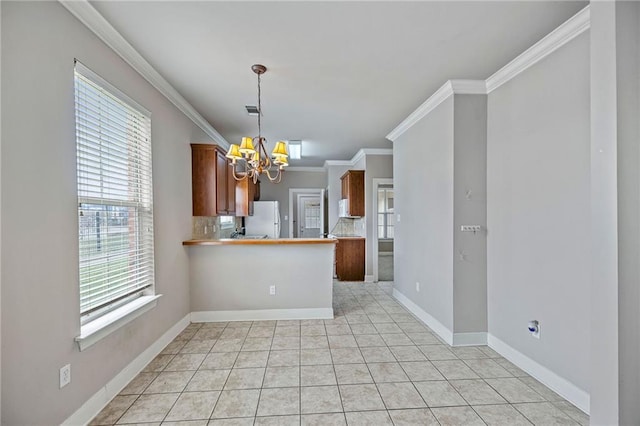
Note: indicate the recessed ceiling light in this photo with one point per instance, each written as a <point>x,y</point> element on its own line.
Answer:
<point>295,150</point>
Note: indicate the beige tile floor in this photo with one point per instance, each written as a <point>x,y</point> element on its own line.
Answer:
<point>373,364</point>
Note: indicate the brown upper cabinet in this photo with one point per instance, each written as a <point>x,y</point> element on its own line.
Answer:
<point>212,183</point>
<point>353,190</point>
<point>246,193</point>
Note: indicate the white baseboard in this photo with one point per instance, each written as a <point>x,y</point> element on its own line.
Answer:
<point>469,339</point>
<point>442,331</point>
<point>560,385</point>
<point>262,314</point>
<point>100,399</point>
<point>368,278</point>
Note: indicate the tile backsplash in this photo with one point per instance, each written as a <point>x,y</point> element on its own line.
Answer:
<point>209,227</point>
<point>349,227</point>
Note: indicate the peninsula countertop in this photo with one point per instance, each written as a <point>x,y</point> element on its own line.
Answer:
<point>257,241</point>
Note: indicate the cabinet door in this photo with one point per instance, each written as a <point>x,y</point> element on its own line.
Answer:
<point>256,191</point>
<point>356,193</point>
<point>345,187</point>
<point>231,190</point>
<point>350,254</point>
<point>203,180</point>
<point>353,190</point>
<point>244,197</point>
<point>221,183</point>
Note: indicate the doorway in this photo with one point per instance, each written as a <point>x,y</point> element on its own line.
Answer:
<point>306,210</point>
<point>384,221</point>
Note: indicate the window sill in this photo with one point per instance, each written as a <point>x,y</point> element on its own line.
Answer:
<point>100,328</point>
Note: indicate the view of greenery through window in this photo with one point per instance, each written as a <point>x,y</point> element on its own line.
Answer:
<point>105,247</point>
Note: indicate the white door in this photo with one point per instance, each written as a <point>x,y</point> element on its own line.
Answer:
<point>309,216</point>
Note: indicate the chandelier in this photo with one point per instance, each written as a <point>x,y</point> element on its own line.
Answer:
<point>250,159</point>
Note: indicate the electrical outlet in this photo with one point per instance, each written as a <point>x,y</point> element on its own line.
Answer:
<point>418,287</point>
<point>272,290</point>
<point>398,217</point>
<point>65,375</point>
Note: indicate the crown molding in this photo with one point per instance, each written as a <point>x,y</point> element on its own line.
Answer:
<point>373,151</point>
<point>370,151</point>
<point>306,169</point>
<point>468,87</point>
<point>573,27</point>
<point>335,163</point>
<point>567,31</point>
<point>93,20</point>
<point>358,156</point>
<point>461,87</point>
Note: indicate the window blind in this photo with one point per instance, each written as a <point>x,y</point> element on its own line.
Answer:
<point>115,195</point>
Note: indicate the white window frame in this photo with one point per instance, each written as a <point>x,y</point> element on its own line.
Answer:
<point>99,321</point>
<point>387,215</point>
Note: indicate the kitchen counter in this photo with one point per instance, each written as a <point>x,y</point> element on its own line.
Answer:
<point>258,241</point>
<point>261,279</point>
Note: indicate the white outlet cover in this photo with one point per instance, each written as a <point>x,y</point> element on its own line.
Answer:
<point>65,375</point>
<point>272,290</point>
<point>417,286</point>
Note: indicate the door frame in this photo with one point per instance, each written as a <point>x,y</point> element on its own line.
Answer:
<point>293,197</point>
<point>376,184</point>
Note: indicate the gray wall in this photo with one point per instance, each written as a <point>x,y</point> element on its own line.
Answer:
<point>440,184</point>
<point>376,166</point>
<point>280,191</point>
<point>334,191</point>
<point>423,189</point>
<point>470,208</point>
<point>604,216</point>
<point>628,129</point>
<point>538,211</point>
<point>302,274</point>
<point>40,292</point>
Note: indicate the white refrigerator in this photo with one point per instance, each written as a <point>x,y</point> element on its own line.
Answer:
<point>265,219</point>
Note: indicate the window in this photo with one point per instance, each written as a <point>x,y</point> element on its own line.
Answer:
<point>385,212</point>
<point>227,222</point>
<point>312,214</point>
<point>115,196</point>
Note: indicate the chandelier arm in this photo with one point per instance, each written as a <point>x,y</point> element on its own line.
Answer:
<point>233,170</point>
<point>277,177</point>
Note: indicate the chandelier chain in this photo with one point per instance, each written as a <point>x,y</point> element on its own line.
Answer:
<point>259,110</point>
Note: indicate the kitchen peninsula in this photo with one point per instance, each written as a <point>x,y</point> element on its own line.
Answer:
<point>233,279</point>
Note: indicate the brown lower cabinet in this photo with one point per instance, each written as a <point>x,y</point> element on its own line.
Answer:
<point>350,259</point>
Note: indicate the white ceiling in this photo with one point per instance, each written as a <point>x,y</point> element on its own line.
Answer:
<point>341,75</point>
